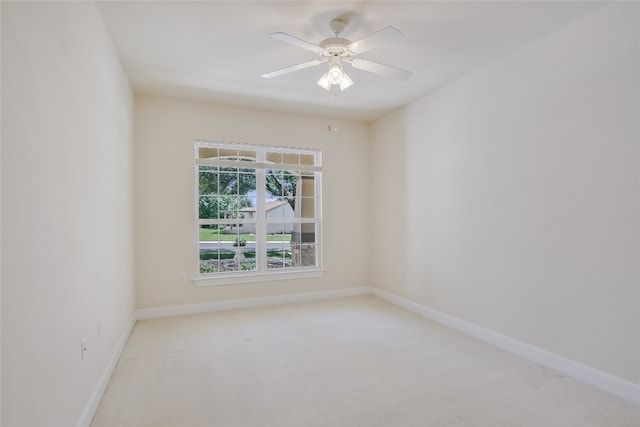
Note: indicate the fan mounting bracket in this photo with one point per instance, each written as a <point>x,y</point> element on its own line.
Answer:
<point>338,25</point>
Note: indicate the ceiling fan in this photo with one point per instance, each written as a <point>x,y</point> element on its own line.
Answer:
<point>338,51</point>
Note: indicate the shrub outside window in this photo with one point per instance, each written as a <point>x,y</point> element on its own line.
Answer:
<point>258,212</point>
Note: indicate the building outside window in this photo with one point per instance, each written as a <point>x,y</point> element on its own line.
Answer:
<point>258,212</point>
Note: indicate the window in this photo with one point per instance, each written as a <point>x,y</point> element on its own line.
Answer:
<point>258,212</point>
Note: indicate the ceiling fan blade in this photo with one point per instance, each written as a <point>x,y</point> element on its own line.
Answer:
<point>382,69</point>
<point>288,38</point>
<point>297,67</point>
<point>372,40</point>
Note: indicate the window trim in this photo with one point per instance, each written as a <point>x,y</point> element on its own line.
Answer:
<point>243,277</point>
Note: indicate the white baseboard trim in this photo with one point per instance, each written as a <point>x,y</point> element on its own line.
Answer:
<point>92,406</point>
<point>181,310</point>
<point>619,387</point>
<point>178,310</point>
<point>599,379</point>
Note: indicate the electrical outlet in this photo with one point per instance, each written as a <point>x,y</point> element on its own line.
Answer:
<point>83,348</point>
<point>182,277</point>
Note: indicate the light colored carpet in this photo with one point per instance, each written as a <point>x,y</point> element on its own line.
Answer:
<point>347,362</point>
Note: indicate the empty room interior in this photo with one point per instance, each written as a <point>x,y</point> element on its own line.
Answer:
<point>320,213</point>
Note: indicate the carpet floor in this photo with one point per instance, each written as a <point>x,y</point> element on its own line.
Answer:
<point>356,361</point>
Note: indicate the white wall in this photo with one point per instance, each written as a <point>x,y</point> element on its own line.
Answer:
<point>165,131</point>
<point>67,229</point>
<point>389,211</point>
<point>521,203</point>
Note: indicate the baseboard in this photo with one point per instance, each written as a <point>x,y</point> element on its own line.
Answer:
<point>158,312</point>
<point>599,379</point>
<point>602,380</point>
<point>181,310</point>
<point>92,406</point>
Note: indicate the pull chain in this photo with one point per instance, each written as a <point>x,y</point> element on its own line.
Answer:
<point>332,113</point>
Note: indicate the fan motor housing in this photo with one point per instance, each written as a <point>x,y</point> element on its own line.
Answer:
<point>336,46</point>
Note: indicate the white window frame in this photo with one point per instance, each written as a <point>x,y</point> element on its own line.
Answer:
<point>261,273</point>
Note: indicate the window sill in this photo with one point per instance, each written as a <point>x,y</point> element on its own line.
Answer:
<point>250,277</point>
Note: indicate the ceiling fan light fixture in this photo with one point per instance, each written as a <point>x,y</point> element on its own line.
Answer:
<point>335,74</point>
<point>324,82</point>
<point>346,82</point>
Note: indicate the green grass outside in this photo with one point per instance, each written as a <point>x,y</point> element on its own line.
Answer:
<point>210,234</point>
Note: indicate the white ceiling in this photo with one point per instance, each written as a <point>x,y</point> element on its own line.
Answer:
<point>217,50</point>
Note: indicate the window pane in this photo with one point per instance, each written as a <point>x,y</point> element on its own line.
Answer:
<point>222,250</point>
<point>247,154</point>
<point>210,250</point>
<point>278,209</point>
<point>307,159</point>
<point>308,186</point>
<point>273,183</point>
<point>274,157</point>
<point>208,180</point>
<point>244,258</point>
<point>306,197</point>
<point>279,245</point>
<point>228,153</point>
<point>207,152</point>
<point>228,181</point>
<point>307,207</point>
<point>246,181</point>
<point>306,252</point>
<point>303,245</point>
<point>280,185</point>
<point>291,159</point>
<point>208,207</point>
